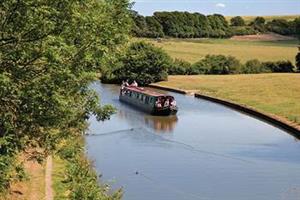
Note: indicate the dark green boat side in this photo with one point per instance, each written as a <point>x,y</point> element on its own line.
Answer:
<point>149,101</point>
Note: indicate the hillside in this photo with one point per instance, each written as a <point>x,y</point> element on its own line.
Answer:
<point>268,18</point>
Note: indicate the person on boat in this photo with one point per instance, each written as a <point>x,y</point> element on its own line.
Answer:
<point>123,85</point>
<point>158,103</point>
<point>173,102</point>
<point>167,103</point>
<point>126,83</point>
<point>134,84</point>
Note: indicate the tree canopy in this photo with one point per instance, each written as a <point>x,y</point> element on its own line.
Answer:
<point>237,21</point>
<point>143,63</point>
<point>50,52</point>
<point>196,25</point>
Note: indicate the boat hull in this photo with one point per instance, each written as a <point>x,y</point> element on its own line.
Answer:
<point>148,108</point>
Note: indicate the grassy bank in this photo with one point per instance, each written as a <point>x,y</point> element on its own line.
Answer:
<point>276,94</point>
<point>193,50</point>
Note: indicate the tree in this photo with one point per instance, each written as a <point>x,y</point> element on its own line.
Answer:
<point>50,53</point>
<point>237,21</point>
<point>154,29</point>
<point>259,21</point>
<point>280,26</point>
<point>259,24</point>
<point>297,27</point>
<point>143,63</point>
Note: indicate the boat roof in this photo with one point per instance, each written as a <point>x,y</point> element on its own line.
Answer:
<point>147,92</point>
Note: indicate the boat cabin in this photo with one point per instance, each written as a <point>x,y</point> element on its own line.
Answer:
<point>148,100</point>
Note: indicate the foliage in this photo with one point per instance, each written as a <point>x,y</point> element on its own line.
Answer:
<point>298,61</point>
<point>279,66</point>
<point>80,179</point>
<point>192,25</point>
<point>179,67</point>
<point>237,21</point>
<point>50,52</point>
<point>254,67</point>
<point>200,67</point>
<point>146,26</point>
<point>143,63</point>
<point>281,26</point>
<point>196,25</point>
<point>243,30</point>
<point>297,27</point>
<point>220,64</point>
<point>259,24</point>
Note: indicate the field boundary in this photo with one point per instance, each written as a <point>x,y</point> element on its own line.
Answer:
<point>284,124</point>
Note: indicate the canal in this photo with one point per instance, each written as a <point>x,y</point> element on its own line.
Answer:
<point>207,151</point>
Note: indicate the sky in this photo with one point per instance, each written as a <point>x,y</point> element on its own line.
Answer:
<point>225,7</point>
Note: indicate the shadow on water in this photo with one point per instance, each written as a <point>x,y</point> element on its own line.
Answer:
<point>207,151</point>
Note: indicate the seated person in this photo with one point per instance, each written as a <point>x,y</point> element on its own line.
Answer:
<point>134,84</point>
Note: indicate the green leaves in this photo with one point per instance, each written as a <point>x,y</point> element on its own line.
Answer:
<point>142,62</point>
<point>50,52</point>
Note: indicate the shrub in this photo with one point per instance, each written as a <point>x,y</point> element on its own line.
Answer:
<point>243,30</point>
<point>200,67</point>
<point>220,64</point>
<point>254,67</point>
<point>179,67</point>
<point>279,66</point>
<point>298,61</point>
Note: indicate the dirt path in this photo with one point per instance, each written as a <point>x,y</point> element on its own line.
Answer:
<point>48,179</point>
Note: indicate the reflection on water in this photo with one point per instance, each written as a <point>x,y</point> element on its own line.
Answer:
<point>157,123</point>
<point>207,151</point>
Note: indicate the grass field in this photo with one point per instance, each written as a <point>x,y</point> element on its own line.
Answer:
<point>268,18</point>
<point>193,50</point>
<point>277,94</point>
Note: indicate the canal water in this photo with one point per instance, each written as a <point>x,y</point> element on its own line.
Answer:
<point>207,151</point>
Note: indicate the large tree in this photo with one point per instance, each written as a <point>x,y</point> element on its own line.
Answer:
<point>142,62</point>
<point>50,51</point>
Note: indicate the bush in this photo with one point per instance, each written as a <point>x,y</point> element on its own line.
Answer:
<point>280,66</point>
<point>179,67</point>
<point>254,67</point>
<point>298,61</point>
<point>280,26</point>
<point>220,64</point>
<point>142,62</point>
<point>243,30</point>
<point>200,67</point>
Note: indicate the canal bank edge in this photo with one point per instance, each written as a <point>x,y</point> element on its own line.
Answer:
<point>279,122</point>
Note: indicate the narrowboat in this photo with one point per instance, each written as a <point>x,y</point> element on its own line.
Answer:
<point>149,101</point>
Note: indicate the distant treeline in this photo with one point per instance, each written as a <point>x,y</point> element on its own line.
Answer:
<point>195,25</point>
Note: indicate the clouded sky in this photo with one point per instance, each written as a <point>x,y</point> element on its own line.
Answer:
<point>225,7</point>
